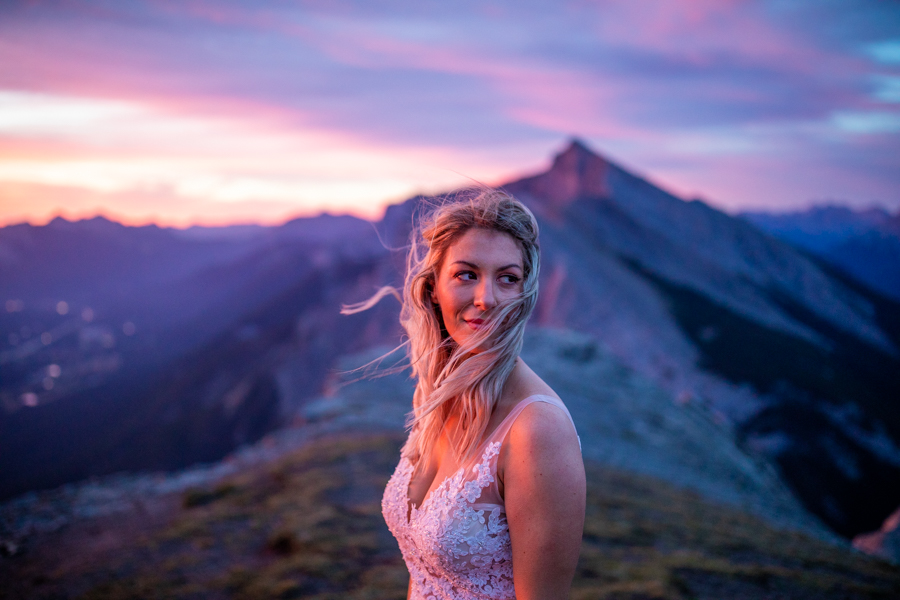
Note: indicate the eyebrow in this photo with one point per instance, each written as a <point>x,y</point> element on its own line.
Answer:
<point>474,266</point>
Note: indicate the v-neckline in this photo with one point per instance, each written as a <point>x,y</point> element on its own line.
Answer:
<point>410,508</point>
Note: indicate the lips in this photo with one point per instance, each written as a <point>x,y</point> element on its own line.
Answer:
<point>475,323</point>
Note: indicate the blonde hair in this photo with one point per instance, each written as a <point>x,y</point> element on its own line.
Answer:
<point>451,377</point>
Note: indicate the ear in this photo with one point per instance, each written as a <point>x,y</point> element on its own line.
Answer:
<point>430,292</point>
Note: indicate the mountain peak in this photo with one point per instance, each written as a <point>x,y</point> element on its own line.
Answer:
<point>576,172</point>
<point>577,154</point>
<point>98,225</point>
<point>578,145</point>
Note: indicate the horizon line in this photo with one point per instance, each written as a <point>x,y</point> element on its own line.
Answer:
<point>199,224</point>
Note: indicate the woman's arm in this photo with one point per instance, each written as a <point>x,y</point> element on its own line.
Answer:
<point>544,492</point>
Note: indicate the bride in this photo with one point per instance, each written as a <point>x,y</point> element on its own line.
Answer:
<point>488,498</point>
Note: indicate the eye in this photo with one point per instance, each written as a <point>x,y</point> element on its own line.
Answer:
<point>465,276</point>
<point>510,279</point>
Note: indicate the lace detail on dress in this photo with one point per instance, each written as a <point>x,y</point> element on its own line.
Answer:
<point>454,549</point>
<point>456,544</point>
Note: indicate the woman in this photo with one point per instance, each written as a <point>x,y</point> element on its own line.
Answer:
<point>488,498</point>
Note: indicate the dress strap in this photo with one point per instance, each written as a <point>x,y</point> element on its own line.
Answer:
<point>491,494</point>
<point>499,434</point>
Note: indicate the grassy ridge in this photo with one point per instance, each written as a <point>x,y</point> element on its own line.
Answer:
<point>309,526</point>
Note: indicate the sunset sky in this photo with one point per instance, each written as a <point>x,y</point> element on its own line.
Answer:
<point>187,111</point>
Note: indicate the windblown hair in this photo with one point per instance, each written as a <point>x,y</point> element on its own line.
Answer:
<point>450,378</point>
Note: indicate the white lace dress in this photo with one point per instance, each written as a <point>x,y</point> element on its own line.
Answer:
<point>456,544</point>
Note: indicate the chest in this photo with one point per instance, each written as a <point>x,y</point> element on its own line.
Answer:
<point>453,505</point>
<point>454,538</point>
<point>444,464</point>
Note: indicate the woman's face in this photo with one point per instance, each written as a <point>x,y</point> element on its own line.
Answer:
<point>481,269</point>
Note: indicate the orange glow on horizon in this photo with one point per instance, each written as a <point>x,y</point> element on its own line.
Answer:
<point>135,164</point>
<point>163,211</point>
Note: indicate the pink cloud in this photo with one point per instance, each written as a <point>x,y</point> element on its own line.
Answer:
<point>673,87</point>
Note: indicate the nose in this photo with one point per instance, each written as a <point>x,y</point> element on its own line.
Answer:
<point>485,298</point>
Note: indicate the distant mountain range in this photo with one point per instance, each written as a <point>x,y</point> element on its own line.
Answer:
<point>198,341</point>
<point>865,243</point>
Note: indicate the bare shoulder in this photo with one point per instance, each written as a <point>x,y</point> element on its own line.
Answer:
<point>542,426</point>
<point>542,449</point>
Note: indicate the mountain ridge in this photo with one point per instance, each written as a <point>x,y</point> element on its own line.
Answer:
<point>863,243</point>
<point>672,289</point>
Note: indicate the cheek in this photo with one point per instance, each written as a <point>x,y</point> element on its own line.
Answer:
<point>446,316</point>
<point>448,303</point>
